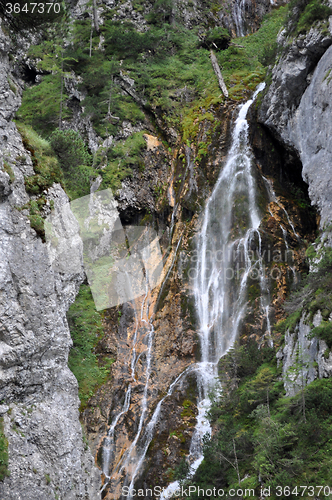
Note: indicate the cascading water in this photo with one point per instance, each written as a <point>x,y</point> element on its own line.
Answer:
<point>273,198</point>
<point>238,16</point>
<point>230,226</point>
<point>145,330</point>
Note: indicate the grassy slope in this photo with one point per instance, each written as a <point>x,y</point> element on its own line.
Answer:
<point>86,329</point>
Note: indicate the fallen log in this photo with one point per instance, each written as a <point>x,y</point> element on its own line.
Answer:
<point>217,71</point>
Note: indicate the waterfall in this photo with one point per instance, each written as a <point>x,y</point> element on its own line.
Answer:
<point>230,226</point>
<point>238,16</point>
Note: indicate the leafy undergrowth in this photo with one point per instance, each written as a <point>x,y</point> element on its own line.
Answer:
<point>86,330</point>
<point>3,453</point>
<point>47,171</point>
<point>263,437</point>
<point>169,64</point>
<point>304,14</point>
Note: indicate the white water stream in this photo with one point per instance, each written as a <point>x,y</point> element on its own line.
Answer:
<point>238,16</point>
<point>220,294</point>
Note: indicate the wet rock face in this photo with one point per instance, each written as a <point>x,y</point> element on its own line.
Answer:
<point>38,393</point>
<point>297,110</point>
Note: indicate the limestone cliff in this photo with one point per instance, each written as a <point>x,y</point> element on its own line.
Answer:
<point>296,108</point>
<point>47,455</point>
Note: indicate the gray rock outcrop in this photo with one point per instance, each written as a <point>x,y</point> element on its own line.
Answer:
<point>38,393</point>
<point>297,109</point>
<point>304,358</point>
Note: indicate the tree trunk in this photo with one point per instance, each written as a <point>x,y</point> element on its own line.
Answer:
<point>90,51</point>
<point>61,94</point>
<point>95,16</point>
<point>217,71</point>
<point>236,463</point>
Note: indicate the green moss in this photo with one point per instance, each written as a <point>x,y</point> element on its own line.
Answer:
<point>324,332</point>
<point>289,323</point>
<point>86,330</point>
<point>3,452</point>
<point>9,171</point>
<point>44,161</point>
<point>188,409</point>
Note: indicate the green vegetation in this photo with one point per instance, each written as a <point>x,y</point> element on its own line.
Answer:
<point>46,167</point>
<point>244,66</point>
<point>168,64</point>
<point>120,159</point>
<point>41,105</point>
<point>324,332</point>
<point>75,161</point>
<point>86,330</point>
<point>303,14</point>
<point>262,437</point>
<point>9,170</point>
<point>47,171</point>
<point>314,293</point>
<point>289,323</point>
<point>3,453</point>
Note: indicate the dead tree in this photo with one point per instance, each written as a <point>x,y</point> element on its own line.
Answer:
<point>217,71</point>
<point>95,16</point>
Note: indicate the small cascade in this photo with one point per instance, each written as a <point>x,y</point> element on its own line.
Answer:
<point>191,185</point>
<point>273,198</point>
<point>292,268</point>
<point>143,326</point>
<point>238,16</point>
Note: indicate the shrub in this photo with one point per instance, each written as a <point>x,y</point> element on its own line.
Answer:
<point>324,332</point>
<point>314,11</point>
<point>75,161</point>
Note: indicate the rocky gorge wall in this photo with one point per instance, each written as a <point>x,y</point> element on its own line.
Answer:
<point>296,108</point>
<point>39,401</point>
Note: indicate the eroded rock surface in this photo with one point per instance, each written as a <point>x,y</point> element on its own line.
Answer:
<point>297,110</point>
<point>39,396</point>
